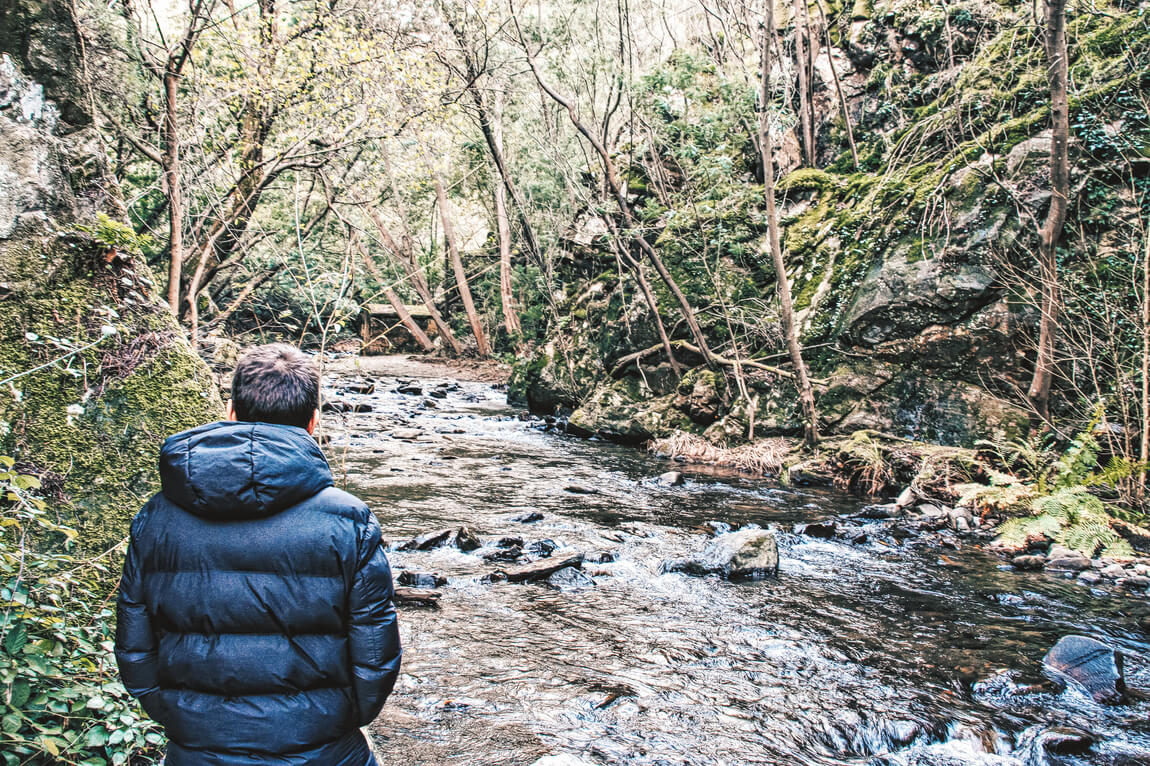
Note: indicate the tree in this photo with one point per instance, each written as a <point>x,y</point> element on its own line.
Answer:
<point>1051,230</point>
<point>787,314</point>
<point>460,275</point>
<point>804,56</point>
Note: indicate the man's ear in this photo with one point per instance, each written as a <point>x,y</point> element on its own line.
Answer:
<point>314,422</point>
<point>231,411</point>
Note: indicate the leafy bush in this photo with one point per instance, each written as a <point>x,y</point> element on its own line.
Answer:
<point>60,698</point>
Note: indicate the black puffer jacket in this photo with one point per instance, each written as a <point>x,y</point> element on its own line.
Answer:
<point>255,617</point>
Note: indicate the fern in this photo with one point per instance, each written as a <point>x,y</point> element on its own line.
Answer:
<point>1072,517</point>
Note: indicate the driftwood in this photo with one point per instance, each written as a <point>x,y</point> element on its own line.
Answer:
<point>638,356</point>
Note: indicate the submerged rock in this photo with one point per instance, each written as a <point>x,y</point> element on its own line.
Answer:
<point>543,548</point>
<point>670,479</point>
<point>749,554</point>
<point>1091,664</point>
<point>528,518</point>
<point>570,578</point>
<point>463,539</point>
<point>824,529</point>
<point>421,579</point>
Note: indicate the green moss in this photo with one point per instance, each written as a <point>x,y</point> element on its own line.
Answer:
<point>805,179</point>
<point>97,420</point>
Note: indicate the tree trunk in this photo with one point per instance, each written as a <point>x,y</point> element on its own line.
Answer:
<point>460,275</point>
<point>1144,453</point>
<point>802,380</point>
<point>1051,231</point>
<point>408,321</point>
<point>175,193</point>
<point>396,302</point>
<point>839,87</point>
<point>510,318</point>
<point>803,64</point>
<point>407,262</point>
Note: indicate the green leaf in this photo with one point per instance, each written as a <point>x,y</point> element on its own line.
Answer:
<point>10,724</point>
<point>19,693</point>
<point>16,639</point>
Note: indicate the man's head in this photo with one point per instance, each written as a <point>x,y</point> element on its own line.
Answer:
<point>276,383</point>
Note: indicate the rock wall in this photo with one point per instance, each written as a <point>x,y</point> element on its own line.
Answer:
<point>910,273</point>
<point>94,370</point>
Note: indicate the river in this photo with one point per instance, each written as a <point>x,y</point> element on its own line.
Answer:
<point>857,653</point>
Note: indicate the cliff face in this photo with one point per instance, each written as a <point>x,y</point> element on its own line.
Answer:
<point>912,272</point>
<point>94,371</point>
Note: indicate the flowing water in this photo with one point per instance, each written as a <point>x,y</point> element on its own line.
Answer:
<point>873,653</point>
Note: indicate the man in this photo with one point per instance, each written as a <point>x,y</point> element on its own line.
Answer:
<point>255,618</point>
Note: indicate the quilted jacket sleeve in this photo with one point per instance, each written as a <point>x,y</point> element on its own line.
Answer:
<point>135,640</point>
<point>373,634</point>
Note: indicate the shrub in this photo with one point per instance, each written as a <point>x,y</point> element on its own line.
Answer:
<point>60,698</point>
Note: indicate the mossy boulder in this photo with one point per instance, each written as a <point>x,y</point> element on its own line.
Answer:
<point>624,411</point>
<point>95,370</point>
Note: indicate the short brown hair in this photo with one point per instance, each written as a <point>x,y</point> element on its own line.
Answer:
<point>276,383</point>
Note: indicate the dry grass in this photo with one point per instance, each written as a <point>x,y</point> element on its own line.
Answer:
<point>762,456</point>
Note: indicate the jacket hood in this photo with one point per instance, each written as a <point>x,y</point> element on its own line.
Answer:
<point>231,470</point>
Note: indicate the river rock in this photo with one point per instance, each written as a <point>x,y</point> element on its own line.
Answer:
<point>670,479</point>
<point>538,570</point>
<point>1090,663</point>
<point>905,498</point>
<point>410,389</point>
<point>406,434</point>
<point>1063,559</point>
<point>528,518</point>
<point>749,554</point>
<point>887,511</point>
<point>570,578</point>
<point>421,579</point>
<point>931,511</point>
<point>465,540</point>
<point>1089,577</point>
<point>509,542</point>
<point>438,393</point>
<point>427,541</point>
<point>416,596</point>
<point>543,548</point>
<point>503,554</point>
<point>579,489</point>
<point>601,557</point>
<point>824,529</point>
<point>1113,571</point>
<point>358,387</point>
<point>336,405</point>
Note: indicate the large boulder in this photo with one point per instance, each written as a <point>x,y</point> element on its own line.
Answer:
<point>1091,664</point>
<point>621,411</point>
<point>749,554</point>
<point>114,375</point>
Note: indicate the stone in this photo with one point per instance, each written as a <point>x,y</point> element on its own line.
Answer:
<point>1113,571</point>
<point>437,393</point>
<point>1135,582</point>
<point>601,557</point>
<point>406,434</point>
<point>931,511</point>
<point>962,524</point>
<point>336,405</point>
<point>509,542</point>
<point>359,387</point>
<point>421,579</point>
<point>528,518</point>
<point>570,578</point>
<point>905,498</point>
<point>1089,577</point>
<point>543,548</point>
<point>1028,562</point>
<point>749,554</point>
<point>539,570</point>
<point>416,596</point>
<point>579,489</point>
<point>427,541</point>
<point>1091,664</point>
<point>716,528</point>
<point>888,511</point>
<point>410,390</point>
<point>1065,560</point>
<point>465,540</point>
<point>503,554</point>
<point>1065,740</point>
<point>670,479</point>
<point>824,529</point>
